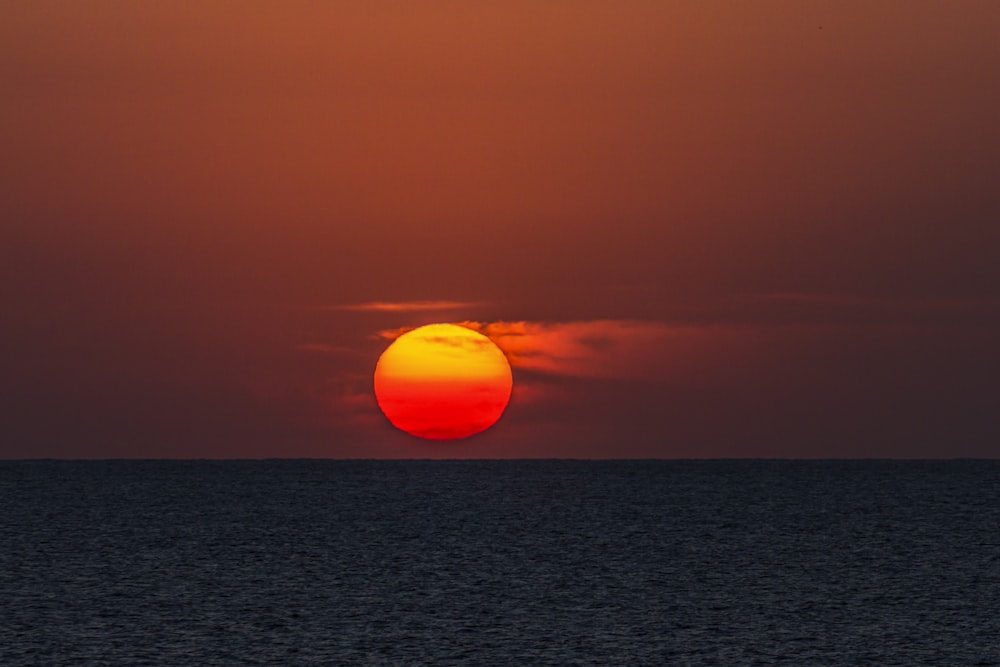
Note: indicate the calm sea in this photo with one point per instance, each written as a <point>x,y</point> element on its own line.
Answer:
<point>500,563</point>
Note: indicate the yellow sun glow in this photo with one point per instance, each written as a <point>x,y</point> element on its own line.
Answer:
<point>442,382</point>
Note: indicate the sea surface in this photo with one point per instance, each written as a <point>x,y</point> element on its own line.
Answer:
<point>500,563</point>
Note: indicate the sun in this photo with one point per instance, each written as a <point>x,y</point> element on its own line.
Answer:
<point>443,382</point>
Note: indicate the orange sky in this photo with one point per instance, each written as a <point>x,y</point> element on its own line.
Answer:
<point>723,229</point>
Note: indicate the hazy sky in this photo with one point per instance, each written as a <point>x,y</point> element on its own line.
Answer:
<point>697,229</point>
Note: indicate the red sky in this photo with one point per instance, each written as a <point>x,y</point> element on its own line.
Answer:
<point>700,229</point>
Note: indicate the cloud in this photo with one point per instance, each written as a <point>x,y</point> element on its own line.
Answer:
<point>392,334</point>
<point>600,348</point>
<point>755,327</point>
<point>589,349</point>
<point>324,348</point>
<point>853,308</point>
<point>406,306</point>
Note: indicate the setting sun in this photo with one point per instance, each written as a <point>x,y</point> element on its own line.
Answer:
<point>443,382</point>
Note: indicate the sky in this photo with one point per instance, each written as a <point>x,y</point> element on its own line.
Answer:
<point>697,230</point>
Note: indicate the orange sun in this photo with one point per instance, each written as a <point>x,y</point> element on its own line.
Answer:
<point>442,382</point>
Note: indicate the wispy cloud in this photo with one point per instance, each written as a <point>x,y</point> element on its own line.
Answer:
<point>755,326</point>
<point>406,306</point>
<point>596,348</point>
<point>792,306</point>
<point>323,348</point>
<point>599,348</point>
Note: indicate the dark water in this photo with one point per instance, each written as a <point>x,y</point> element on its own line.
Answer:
<point>519,562</point>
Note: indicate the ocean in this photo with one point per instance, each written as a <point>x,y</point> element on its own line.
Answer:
<point>500,563</point>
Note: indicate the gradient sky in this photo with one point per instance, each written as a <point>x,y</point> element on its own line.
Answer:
<point>697,229</point>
